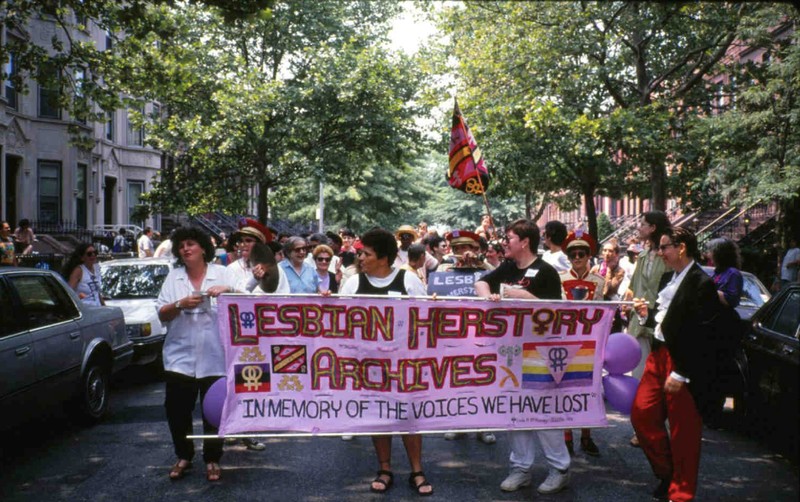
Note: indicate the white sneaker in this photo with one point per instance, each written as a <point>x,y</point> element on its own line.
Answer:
<point>555,482</point>
<point>487,437</point>
<point>516,480</point>
<point>347,438</point>
<point>453,435</point>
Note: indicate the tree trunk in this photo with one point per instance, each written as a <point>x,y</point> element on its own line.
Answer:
<point>658,184</point>
<point>262,208</point>
<point>591,210</point>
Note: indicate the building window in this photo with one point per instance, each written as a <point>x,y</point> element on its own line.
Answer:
<point>10,92</point>
<point>109,41</point>
<point>135,191</point>
<point>135,132</point>
<point>49,191</point>
<point>110,126</point>
<point>49,92</point>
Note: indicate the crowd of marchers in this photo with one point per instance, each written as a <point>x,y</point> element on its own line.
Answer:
<point>683,318</point>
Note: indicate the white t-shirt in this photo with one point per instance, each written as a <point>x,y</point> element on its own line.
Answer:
<point>240,277</point>
<point>145,244</point>
<point>413,285</point>
<point>790,274</point>
<point>89,285</point>
<point>558,260</point>
<point>193,346</point>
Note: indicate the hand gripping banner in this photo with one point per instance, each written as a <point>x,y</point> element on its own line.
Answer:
<point>467,171</point>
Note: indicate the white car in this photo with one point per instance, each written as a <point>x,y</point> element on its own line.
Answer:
<point>133,284</point>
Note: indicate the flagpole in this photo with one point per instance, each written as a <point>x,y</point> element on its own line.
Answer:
<point>488,211</point>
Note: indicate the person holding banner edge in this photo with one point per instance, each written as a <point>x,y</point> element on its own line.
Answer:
<point>524,275</point>
<point>193,354</point>
<point>680,373</point>
<point>379,277</point>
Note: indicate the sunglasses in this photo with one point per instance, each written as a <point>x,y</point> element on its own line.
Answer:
<point>90,253</point>
<point>322,259</point>
<point>577,255</point>
<point>304,249</point>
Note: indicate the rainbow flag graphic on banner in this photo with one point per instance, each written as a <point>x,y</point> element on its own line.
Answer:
<point>549,365</point>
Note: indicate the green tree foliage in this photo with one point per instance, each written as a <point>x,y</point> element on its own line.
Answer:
<point>632,69</point>
<point>750,150</point>
<point>306,90</point>
<point>604,226</point>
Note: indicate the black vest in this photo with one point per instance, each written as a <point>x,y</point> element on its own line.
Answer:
<point>366,288</point>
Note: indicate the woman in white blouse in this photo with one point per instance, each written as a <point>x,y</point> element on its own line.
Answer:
<point>193,353</point>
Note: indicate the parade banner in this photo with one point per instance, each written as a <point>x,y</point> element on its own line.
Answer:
<point>381,364</point>
<point>454,282</point>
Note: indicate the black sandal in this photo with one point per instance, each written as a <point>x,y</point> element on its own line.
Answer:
<point>415,486</point>
<point>386,484</point>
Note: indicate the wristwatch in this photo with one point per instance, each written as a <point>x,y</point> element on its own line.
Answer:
<point>178,305</point>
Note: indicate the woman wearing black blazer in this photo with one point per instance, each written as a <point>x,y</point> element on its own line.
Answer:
<point>679,373</point>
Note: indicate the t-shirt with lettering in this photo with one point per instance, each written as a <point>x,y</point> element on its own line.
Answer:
<point>540,279</point>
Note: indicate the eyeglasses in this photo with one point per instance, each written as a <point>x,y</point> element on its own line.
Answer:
<point>90,253</point>
<point>323,259</point>
<point>575,255</point>
<point>304,249</point>
<point>664,247</point>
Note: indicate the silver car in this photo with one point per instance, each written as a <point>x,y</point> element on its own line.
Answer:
<point>54,348</point>
<point>133,284</point>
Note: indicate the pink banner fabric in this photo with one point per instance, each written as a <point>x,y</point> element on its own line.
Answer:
<point>348,365</point>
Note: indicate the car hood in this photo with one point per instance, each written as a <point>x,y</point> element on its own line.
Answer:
<point>140,311</point>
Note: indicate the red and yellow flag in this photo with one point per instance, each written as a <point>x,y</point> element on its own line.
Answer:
<point>467,170</point>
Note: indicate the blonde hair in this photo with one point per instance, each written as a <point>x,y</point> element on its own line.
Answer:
<point>322,248</point>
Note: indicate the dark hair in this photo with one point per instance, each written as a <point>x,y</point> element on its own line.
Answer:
<point>382,242</point>
<point>191,234</point>
<point>261,254</point>
<point>332,237</point>
<point>24,222</point>
<point>680,235</point>
<point>526,229</point>
<point>725,253</point>
<point>483,244</point>
<point>433,241</point>
<point>555,231</point>
<point>347,232</point>
<point>318,238</point>
<point>415,251</point>
<point>275,246</point>
<point>75,259</point>
<point>661,222</point>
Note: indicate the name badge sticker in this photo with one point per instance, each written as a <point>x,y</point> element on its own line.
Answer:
<point>531,272</point>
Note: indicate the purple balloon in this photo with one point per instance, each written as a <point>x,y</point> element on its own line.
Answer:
<point>620,390</point>
<point>623,353</point>
<point>214,400</point>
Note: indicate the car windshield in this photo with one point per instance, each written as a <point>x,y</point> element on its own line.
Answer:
<point>753,294</point>
<point>133,281</point>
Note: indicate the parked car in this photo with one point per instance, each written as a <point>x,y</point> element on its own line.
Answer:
<point>772,347</point>
<point>754,294</point>
<point>133,285</point>
<point>54,348</point>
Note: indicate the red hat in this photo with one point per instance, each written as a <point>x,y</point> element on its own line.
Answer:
<point>579,238</point>
<point>458,237</point>
<point>358,245</point>
<point>251,227</point>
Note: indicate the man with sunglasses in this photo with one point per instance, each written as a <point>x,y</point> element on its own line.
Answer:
<point>406,236</point>
<point>579,283</point>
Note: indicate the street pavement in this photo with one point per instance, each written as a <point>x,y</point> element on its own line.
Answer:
<point>127,457</point>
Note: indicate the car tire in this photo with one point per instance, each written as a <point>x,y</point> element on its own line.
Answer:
<point>93,394</point>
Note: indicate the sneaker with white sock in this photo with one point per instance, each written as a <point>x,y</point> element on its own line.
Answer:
<point>254,444</point>
<point>516,480</point>
<point>555,482</point>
